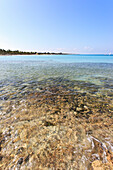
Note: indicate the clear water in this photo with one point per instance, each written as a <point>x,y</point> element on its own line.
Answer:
<point>82,58</point>
<point>35,89</point>
<point>96,69</point>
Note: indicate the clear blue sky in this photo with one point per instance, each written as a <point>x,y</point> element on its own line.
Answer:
<point>77,26</point>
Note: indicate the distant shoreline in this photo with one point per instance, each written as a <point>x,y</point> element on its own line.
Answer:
<point>52,54</point>
<point>36,54</point>
<point>17,52</point>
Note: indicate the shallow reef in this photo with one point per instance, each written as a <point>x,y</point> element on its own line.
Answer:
<point>56,124</point>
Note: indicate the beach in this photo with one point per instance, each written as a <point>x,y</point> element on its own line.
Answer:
<point>56,112</point>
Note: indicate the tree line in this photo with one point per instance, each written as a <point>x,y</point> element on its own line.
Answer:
<point>10,52</point>
<point>17,52</point>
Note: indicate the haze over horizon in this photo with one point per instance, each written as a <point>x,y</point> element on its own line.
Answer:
<point>73,26</point>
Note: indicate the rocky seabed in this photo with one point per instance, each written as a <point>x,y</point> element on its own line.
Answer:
<point>56,127</point>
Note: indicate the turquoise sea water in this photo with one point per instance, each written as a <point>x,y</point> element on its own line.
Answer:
<point>84,69</point>
<point>82,58</point>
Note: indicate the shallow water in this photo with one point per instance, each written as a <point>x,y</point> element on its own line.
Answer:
<point>17,70</point>
<point>56,108</point>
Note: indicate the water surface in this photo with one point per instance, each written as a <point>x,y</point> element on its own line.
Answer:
<point>56,107</point>
<point>16,70</point>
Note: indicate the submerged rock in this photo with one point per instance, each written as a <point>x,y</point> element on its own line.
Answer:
<point>98,165</point>
<point>20,161</point>
<point>57,128</point>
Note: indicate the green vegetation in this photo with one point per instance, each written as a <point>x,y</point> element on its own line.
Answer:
<point>17,52</point>
<point>48,53</point>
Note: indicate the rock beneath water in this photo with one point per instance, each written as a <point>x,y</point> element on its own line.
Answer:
<point>20,161</point>
<point>56,128</point>
<point>98,165</point>
<point>27,159</point>
<point>24,134</point>
<point>39,90</point>
<point>1,157</point>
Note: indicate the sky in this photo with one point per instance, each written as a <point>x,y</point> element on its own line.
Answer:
<point>74,26</point>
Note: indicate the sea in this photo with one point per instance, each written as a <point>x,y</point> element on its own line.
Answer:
<point>15,71</point>
<point>56,111</point>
